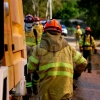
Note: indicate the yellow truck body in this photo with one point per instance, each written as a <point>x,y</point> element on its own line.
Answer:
<point>15,56</point>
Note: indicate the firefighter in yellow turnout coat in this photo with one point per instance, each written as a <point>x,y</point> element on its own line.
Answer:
<point>78,34</point>
<point>39,29</point>
<point>32,39</point>
<point>86,45</point>
<point>29,32</point>
<point>54,58</point>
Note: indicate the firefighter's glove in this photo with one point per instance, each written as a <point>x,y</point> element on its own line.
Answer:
<point>76,75</point>
<point>81,49</point>
<point>95,51</point>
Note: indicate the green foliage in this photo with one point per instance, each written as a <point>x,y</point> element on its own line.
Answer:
<point>27,7</point>
<point>92,15</point>
<point>71,31</point>
<point>67,10</point>
<point>42,9</point>
<point>39,7</point>
<point>63,9</point>
<point>88,10</point>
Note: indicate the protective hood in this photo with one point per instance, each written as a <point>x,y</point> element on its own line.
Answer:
<point>28,27</point>
<point>52,41</point>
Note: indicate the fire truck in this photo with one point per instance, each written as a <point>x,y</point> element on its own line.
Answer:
<point>13,55</point>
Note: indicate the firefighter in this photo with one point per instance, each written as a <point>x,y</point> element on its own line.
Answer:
<point>78,34</point>
<point>86,45</point>
<point>30,40</point>
<point>39,29</point>
<point>54,58</point>
<point>31,24</point>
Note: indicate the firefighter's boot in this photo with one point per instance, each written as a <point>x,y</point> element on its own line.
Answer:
<point>89,68</point>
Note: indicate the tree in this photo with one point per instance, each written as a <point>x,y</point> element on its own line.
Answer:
<point>27,7</point>
<point>63,9</point>
<point>67,10</point>
<point>40,7</point>
<point>91,15</point>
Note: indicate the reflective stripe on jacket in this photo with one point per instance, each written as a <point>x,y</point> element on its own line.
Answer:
<point>30,38</point>
<point>29,84</point>
<point>56,70</point>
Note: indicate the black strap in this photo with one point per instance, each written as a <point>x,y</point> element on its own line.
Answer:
<point>90,39</point>
<point>35,33</point>
<point>85,39</point>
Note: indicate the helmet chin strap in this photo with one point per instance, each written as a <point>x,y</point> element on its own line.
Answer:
<point>28,29</point>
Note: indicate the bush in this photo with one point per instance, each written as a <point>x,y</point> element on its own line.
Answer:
<point>71,31</point>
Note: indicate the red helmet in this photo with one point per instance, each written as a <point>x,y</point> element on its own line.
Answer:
<point>53,25</point>
<point>88,29</point>
<point>29,19</point>
<point>36,19</point>
<point>78,26</point>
